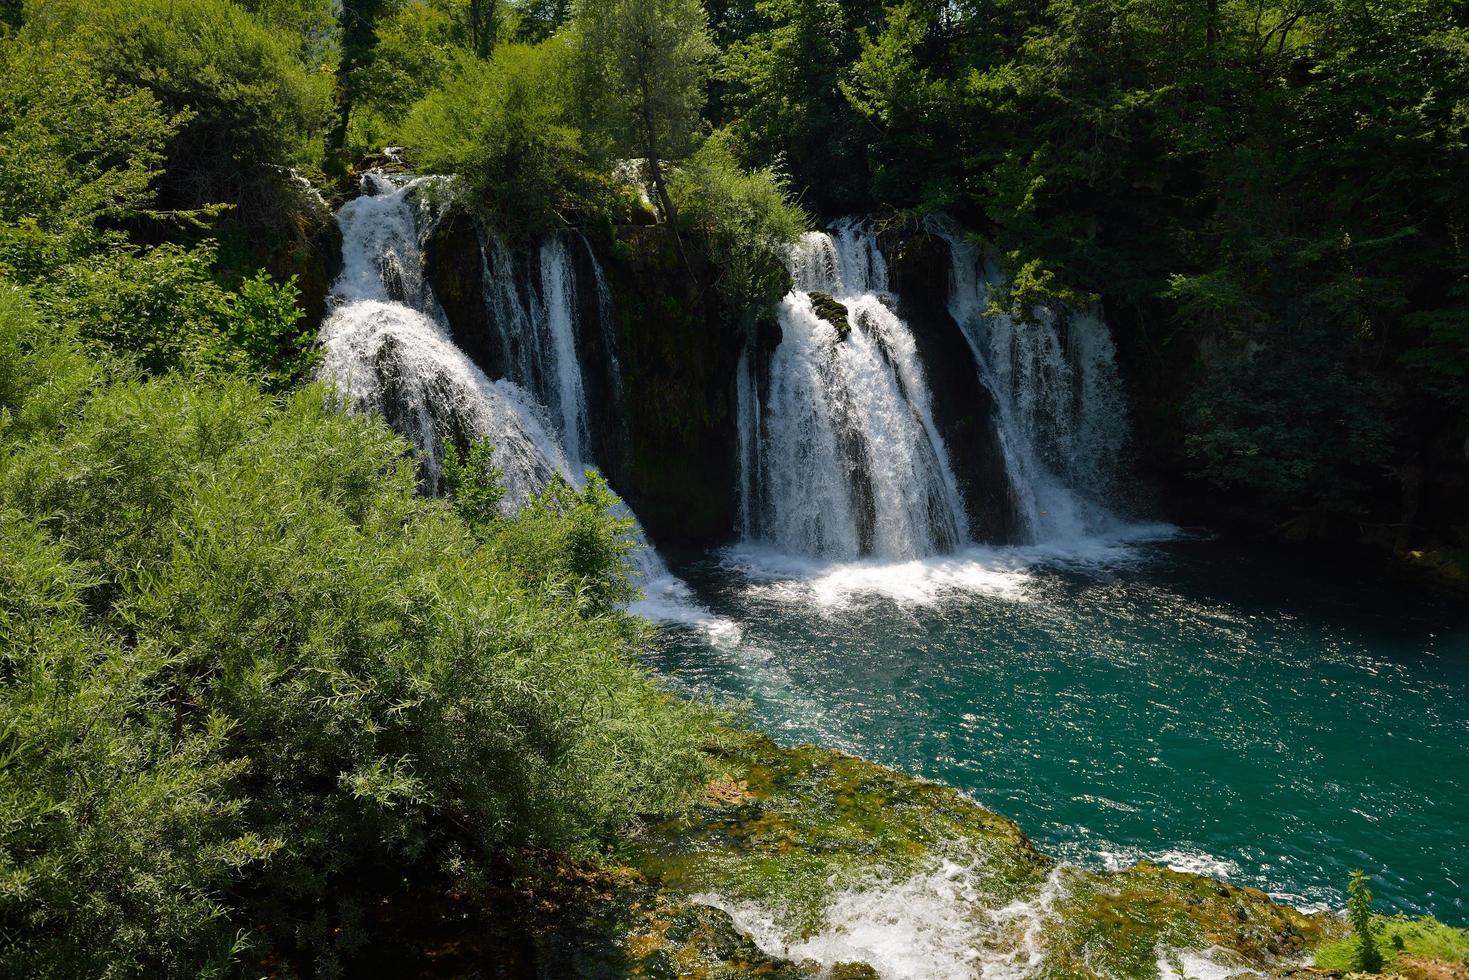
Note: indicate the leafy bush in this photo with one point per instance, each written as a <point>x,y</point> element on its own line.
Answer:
<point>504,126</point>
<point>246,671</point>
<point>163,309</point>
<point>1377,942</point>
<point>414,49</point>
<point>253,108</point>
<point>747,217</point>
<point>1366,956</point>
<point>78,152</point>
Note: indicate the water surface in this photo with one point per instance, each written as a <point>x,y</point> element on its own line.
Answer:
<point>1270,721</point>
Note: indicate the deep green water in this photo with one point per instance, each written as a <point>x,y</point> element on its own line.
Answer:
<point>1254,717</point>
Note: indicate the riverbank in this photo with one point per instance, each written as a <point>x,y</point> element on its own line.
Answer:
<point>805,862</point>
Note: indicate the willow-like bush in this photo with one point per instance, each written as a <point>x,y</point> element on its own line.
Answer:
<point>245,667</point>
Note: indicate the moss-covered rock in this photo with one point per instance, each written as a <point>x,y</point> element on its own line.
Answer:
<point>830,310</point>
<point>786,830</point>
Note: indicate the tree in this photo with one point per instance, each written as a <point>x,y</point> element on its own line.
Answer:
<point>646,65</point>
<point>1367,956</point>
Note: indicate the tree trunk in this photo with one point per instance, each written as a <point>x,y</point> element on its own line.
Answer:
<point>655,168</point>
<point>665,203</point>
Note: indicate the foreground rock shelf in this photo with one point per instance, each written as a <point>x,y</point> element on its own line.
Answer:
<point>806,862</point>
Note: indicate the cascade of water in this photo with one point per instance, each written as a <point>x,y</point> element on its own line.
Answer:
<point>1062,419</point>
<point>388,358</point>
<point>387,348</point>
<point>604,315</point>
<point>841,455</point>
<point>383,232</point>
<point>558,295</point>
<point>537,333</point>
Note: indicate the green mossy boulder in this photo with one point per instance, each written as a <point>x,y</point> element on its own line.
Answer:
<point>831,311</point>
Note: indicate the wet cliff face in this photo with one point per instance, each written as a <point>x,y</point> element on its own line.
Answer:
<point>964,410</point>
<point>658,363</point>
<point>455,274</point>
<point>679,357</point>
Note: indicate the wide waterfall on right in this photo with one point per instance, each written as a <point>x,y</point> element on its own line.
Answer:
<point>841,456</point>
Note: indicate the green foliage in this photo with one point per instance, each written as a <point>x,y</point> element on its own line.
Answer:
<point>747,218</point>
<point>77,153</point>
<point>785,76</point>
<point>644,68</point>
<point>246,670</point>
<point>163,310</point>
<point>472,484</point>
<point>577,544</point>
<point>1397,936</point>
<point>413,50</point>
<point>1366,956</point>
<point>253,107</point>
<point>504,126</point>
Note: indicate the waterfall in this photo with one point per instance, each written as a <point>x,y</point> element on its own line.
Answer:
<point>1062,418</point>
<point>387,349</point>
<point>536,327</point>
<point>841,455</point>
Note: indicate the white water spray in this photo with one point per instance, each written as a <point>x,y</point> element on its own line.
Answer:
<point>1061,416</point>
<point>387,348</point>
<point>841,457</point>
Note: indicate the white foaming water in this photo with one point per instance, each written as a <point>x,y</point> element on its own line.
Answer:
<point>388,349</point>
<point>841,457</point>
<point>1004,572</point>
<point>932,925</point>
<point>383,232</point>
<point>536,328</point>
<point>1189,862</point>
<point>395,361</point>
<point>1062,418</point>
<point>558,295</point>
<point>1214,963</point>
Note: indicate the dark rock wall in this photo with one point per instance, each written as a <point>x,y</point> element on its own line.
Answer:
<point>679,355</point>
<point>919,270</point>
<point>456,274</point>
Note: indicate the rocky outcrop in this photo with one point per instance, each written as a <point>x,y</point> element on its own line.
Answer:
<point>813,846</point>
<point>829,309</point>
<point>679,356</point>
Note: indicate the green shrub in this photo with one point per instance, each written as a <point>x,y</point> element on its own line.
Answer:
<point>253,108</point>
<point>163,310</point>
<point>504,127</point>
<point>747,218</point>
<point>1423,938</point>
<point>1366,956</point>
<point>246,670</point>
<point>76,152</point>
<point>414,49</point>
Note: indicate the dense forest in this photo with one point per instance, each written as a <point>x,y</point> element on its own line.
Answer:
<point>254,684</point>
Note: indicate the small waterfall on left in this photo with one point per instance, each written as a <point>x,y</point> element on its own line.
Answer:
<point>387,348</point>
